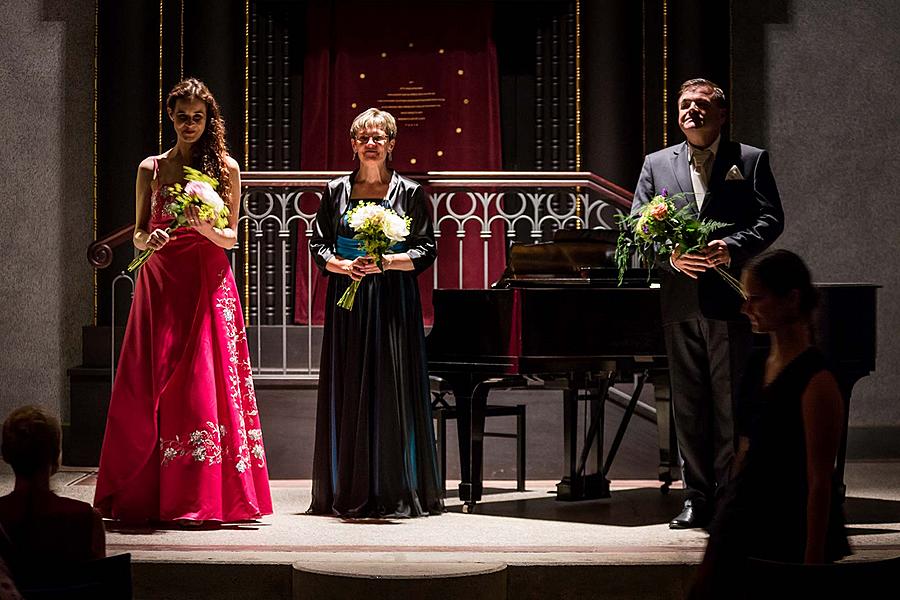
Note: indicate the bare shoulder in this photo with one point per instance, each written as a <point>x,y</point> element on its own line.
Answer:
<point>822,392</point>
<point>147,165</point>
<point>233,166</point>
<point>823,382</point>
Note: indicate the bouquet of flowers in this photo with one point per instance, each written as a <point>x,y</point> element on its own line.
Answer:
<point>377,229</point>
<point>200,191</point>
<point>661,229</point>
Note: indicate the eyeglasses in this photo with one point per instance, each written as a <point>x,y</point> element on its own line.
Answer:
<point>378,139</point>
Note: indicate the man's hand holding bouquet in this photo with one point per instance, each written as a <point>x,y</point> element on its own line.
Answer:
<point>662,230</point>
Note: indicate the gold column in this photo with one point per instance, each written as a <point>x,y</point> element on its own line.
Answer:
<point>246,156</point>
<point>159,142</point>
<point>578,107</point>
<point>665,72</point>
<point>578,85</point>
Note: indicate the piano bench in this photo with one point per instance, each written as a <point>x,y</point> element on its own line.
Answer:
<point>442,411</point>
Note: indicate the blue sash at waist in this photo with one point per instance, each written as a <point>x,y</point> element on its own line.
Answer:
<point>351,248</point>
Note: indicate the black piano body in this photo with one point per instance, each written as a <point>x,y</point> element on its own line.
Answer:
<point>558,317</point>
<point>845,330</point>
<point>579,331</point>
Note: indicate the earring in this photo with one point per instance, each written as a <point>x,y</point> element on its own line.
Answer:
<point>354,157</point>
<point>390,157</point>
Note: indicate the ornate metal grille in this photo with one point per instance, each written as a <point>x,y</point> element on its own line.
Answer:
<point>279,211</point>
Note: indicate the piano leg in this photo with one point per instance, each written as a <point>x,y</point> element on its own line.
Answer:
<point>669,469</point>
<point>462,392</point>
<point>598,420</point>
<point>846,381</point>
<point>570,486</point>
<point>476,443</point>
<point>576,484</point>
<point>463,385</point>
<point>470,421</point>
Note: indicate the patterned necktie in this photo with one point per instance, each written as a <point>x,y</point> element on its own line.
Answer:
<point>700,160</point>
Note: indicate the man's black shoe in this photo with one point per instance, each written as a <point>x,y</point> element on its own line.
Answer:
<point>692,517</point>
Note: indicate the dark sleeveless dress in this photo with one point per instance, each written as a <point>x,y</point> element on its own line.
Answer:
<point>762,512</point>
<point>374,453</point>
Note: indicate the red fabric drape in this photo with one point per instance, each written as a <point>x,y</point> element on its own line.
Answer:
<point>434,68</point>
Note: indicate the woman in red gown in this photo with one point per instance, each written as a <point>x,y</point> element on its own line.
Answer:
<point>183,441</point>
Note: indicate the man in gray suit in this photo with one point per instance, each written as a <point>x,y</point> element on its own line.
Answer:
<point>707,339</point>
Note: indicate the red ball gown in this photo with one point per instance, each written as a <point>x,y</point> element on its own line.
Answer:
<point>183,437</point>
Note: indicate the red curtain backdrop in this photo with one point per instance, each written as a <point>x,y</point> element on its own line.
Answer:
<point>434,67</point>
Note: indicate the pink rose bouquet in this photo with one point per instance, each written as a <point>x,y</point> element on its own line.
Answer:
<point>200,191</point>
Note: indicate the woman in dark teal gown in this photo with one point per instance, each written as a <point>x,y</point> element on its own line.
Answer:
<point>374,448</point>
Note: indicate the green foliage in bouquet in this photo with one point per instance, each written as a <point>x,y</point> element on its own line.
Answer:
<point>660,229</point>
<point>200,191</point>
<point>377,230</point>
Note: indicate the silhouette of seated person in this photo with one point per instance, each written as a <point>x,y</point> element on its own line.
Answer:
<point>46,533</point>
<point>782,502</point>
<point>8,590</point>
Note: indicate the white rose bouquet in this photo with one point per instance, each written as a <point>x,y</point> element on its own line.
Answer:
<point>377,229</point>
<point>200,190</point>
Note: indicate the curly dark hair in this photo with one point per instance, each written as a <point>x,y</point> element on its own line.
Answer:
<point>210,151</point>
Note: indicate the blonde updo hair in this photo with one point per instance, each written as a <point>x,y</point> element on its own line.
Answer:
<point>374,118</point>
<point>32,440</point>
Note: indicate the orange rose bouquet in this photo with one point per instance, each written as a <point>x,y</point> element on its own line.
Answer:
<point>662,228</point>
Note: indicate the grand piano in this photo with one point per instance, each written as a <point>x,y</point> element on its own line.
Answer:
<point>557,319</point>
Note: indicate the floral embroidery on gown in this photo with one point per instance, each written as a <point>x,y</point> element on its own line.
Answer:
<point>183,437</point>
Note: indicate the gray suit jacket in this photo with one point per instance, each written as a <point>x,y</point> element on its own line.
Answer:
<point>751,206</point>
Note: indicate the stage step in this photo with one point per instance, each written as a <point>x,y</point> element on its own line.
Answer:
<point>390,580</point>
<point>519,580</point>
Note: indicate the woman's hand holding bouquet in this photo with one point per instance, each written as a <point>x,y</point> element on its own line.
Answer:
<point>377,229</point>
<point>195,204</point>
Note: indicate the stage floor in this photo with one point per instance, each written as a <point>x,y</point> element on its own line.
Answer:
<point>526,529</point>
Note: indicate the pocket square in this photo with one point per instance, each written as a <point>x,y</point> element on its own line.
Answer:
<point>734,174</point>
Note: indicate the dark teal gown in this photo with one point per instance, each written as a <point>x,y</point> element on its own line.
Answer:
<point>374,449</point>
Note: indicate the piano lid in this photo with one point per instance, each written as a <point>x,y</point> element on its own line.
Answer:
<point>575,257</point>
<point>570,252</point>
